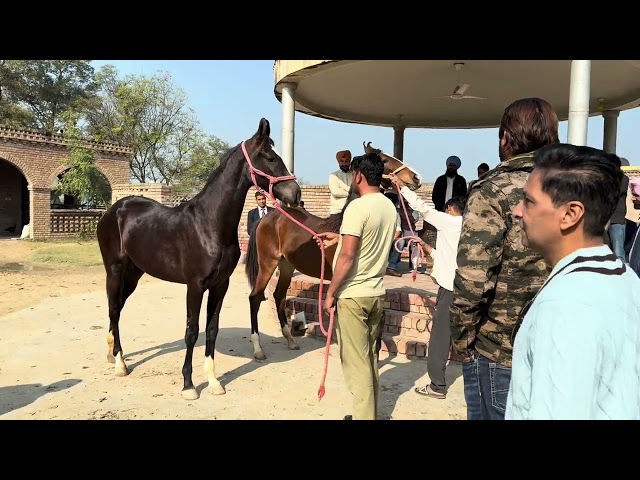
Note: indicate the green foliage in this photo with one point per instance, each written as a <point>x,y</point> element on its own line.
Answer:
<point>82,180</point>
<point>203,159</point>
<point>149,114</point>
<point>42,91</point>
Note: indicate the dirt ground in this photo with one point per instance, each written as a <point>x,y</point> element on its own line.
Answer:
<point>53,364</point>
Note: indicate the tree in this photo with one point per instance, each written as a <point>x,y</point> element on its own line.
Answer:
<point>46,89</point>
<point>11,113</point>
<point>82,179</point>
<point>151,116</point>
<point>203,159</point>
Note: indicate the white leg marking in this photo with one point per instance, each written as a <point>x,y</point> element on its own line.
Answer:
<point>121,367</point>
<point>291,343</point>
<point>210,371</point>
<point>258,354</point>
<point>190,394</point>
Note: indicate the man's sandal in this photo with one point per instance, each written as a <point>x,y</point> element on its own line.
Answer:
<point>427,391</point>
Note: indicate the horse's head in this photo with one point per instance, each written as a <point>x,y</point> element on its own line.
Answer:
<point>409,177</point>
<point>265,158</point>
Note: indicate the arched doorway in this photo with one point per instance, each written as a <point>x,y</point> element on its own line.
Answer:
<point>97,194</point>
<point>14,200</point>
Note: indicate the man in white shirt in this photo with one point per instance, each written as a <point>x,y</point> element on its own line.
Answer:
<point>340,182</point>
<point>448,225</point>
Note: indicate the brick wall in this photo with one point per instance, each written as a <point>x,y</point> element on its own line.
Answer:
<point>40,158</point>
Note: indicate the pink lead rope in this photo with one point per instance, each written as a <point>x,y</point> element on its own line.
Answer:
<point>272,181</point>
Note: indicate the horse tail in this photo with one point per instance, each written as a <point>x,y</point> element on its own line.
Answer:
<point>251,267</point>
<point>120,220</point>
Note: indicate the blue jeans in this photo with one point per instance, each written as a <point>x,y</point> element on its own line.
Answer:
<point>486,387</point>
<point>616,233</point>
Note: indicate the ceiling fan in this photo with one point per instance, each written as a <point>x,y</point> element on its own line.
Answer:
<point>459,93</point>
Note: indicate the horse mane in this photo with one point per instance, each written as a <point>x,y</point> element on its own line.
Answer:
<point>219,169</point>
<point>333,222</point>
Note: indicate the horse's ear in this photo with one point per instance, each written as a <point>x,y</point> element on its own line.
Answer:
<point>264,129</point>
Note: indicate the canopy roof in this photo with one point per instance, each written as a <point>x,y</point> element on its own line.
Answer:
<point>401,92</point>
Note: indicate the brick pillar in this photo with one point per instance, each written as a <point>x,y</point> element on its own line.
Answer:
<point>40,210</point>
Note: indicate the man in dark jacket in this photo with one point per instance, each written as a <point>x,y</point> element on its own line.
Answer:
<point>497,275</point>
<point>254,216</point>
<point>617,225</point>
<point>449,184</point>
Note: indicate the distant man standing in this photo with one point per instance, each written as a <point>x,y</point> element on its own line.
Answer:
<point>618,224</point>
<point>449,184</point>
<point>254,216</point>
<point>497,275</point>
<point>576,350</point>
<point>482,169</point>
<point>634,254</point>
<point>357,289</point>
<point>340,182</point>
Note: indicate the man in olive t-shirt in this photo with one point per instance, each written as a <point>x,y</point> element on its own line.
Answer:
<point>367,231</point>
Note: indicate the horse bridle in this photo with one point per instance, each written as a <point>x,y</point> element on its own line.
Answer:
<point>272,180</point>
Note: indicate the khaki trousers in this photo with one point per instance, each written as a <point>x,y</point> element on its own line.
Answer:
<point>357,323</point>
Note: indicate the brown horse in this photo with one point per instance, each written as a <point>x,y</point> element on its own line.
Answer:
<point>195,243</point>
<point>279,242</point>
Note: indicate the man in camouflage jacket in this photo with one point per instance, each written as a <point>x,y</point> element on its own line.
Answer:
<point>496,274</point>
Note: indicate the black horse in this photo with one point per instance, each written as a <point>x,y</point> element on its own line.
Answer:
<point>195,243</point>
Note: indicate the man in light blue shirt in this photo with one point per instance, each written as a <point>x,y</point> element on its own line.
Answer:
<point>577,350</point>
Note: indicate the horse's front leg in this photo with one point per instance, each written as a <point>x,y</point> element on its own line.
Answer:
<point>214,305</point>
<point>194,302</point>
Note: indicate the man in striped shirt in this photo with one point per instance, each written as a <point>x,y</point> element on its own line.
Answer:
<point>575,354</point>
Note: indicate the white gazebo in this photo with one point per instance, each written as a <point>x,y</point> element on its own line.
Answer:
<point>443,93</point>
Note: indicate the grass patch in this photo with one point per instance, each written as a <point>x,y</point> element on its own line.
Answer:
<point>72,253</point>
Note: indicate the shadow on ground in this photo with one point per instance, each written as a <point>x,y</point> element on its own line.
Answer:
<point>18,396</point>
<point>231,341</point>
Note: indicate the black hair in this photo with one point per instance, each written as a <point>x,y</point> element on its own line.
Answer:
<point>260,194</point>
<point>585,174</point>
<point>484,165</point>
<point>371,166</point>
<point>456,202</point>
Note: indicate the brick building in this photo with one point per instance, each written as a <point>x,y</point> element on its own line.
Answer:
<point>30,163</point>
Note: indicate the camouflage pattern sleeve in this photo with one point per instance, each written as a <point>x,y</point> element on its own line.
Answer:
<point>479,258</point>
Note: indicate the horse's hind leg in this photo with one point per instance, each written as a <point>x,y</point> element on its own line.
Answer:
<point>214,304</point>
<point>266,269</point>
<point>280,297</point>
<point>122,280</point>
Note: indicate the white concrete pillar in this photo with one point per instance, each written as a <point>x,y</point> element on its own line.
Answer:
<point>610,130</point>
<point>288,125</point>
<point>579,95</point>
<point>398,142</point>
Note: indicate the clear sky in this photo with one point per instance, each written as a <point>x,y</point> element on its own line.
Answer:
<point>230,97</point>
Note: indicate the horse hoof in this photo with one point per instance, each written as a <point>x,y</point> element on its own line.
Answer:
<point>259,356</point>
<point>216,389</point>
<point>111,358</point>
<point>190,394</point>
<point>122,372</point>
<point>295,346</point>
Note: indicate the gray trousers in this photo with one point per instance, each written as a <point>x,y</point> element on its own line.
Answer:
<point>440,342</point>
